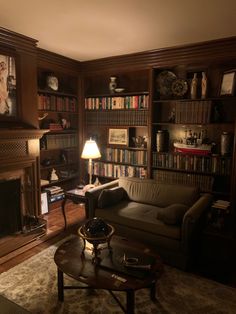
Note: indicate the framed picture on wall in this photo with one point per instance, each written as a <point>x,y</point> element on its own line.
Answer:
<point>8,98</point>
<point>118,136</point>
<point>228,84</point>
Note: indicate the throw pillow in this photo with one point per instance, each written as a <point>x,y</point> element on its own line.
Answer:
<point>173,214</point>
<point>109,197</point>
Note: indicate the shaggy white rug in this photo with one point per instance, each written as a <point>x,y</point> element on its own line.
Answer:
<point>33,285</point>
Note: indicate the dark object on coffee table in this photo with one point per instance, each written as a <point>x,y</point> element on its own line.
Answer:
<point>96,231</point>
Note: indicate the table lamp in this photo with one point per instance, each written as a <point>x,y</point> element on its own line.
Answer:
<point>90,152</point>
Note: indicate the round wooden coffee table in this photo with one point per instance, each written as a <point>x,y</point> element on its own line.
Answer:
<point>110,274</point>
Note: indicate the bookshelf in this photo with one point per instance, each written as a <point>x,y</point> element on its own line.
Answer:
<point>58,113</point>
<point>127,110</point>
<point>192,153</point>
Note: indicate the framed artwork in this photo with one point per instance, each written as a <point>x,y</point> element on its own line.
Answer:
<point>8,99</point>
<point>228,84</point>
<point>118,136</point>
<point>44,202</point>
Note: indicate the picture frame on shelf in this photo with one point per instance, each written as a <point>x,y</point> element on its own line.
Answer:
<point>44,202</point>
<point>228,83</point>
<point>118,136</point>
<point>8,93</point>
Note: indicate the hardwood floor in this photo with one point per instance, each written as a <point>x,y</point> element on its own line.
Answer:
<point>75,214</point>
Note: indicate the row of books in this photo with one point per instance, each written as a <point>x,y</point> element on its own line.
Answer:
<point>54,141</point>
<point>212,164</point>
<point>138,157</point>
<point>56,103</point>
<point>193,111</point>
<point>204,182</point>
<point>116,171</point>
<point>117,102</point>
<point>121,117</point>
<point>55,193</point>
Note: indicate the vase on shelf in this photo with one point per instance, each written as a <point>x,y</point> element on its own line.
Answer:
<point>112,84</point>
<point>194,87</point>
<point>204,86</point>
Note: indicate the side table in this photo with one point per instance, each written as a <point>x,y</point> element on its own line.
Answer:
<point>217,253</point>
<point>76,196</point>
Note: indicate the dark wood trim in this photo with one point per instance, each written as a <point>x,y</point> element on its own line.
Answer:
<point>210,51</point>
<point>13,39</point>
<point>47,58</point>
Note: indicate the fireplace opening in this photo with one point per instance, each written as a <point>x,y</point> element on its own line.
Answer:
<point>10,207</point>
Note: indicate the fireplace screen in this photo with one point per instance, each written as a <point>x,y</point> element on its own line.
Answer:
<point>10,206</point>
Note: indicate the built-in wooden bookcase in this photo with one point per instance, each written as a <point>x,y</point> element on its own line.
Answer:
<point>127,111</point>
<point>196,120</point>
<point>176,112</point>
<point>58,113</point>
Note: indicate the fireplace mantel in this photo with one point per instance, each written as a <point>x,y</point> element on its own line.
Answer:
<point>19,151</point>
<point>15,134</point>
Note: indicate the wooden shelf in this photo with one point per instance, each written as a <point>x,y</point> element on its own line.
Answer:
<point>123,94</point>
<point>57,93</point>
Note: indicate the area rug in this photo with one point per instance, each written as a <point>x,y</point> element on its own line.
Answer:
<point>33,285</point>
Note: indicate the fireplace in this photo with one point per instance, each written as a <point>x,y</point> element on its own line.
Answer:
<point>10,209</point>
<point>20,205</point>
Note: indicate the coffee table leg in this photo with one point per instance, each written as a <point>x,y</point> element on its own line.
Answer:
<point>63,211</point>
<point>60,285</point>
<point>130,302</point>
<point>153,291</point>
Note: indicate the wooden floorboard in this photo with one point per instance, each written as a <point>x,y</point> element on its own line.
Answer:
<point>75,214</point>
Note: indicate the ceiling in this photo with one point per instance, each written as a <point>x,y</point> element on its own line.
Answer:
<point>92,29</point>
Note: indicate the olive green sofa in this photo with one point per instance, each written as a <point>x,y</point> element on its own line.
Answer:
<point>164,216</point>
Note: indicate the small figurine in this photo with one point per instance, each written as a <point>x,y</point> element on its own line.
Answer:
<point>53,176</point>
<point>194,87</point>
<point>204,85</point>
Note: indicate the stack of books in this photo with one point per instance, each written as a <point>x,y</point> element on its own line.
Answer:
<point>221,205</point>
<point>219,214</point>
<point>55,193</point>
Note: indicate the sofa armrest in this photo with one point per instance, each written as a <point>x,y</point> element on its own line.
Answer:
<point>93,194</point>
<point>191,220</point>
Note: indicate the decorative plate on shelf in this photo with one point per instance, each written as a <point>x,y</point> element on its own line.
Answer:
<point>179,87</point>
<point>164,83</point>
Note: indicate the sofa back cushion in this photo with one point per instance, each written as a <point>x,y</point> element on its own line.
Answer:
<point>109,197</point>
<point>149,191</point>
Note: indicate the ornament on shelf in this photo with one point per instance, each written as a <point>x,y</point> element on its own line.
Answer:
<point>204,85</point>
<point>112,84</point>
<point>52,82</point>
<point>194,87</point>
<point>53,176</point>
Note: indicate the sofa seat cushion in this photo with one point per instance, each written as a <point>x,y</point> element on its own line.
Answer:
<point>139,216</point>
<point>173,214</point>
<point>149,191</point>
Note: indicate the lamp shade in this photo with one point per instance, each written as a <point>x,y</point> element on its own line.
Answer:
<point>90,150</point>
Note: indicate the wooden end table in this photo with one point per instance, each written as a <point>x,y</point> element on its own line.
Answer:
<point>70,261</point>
<point>77,196</point>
